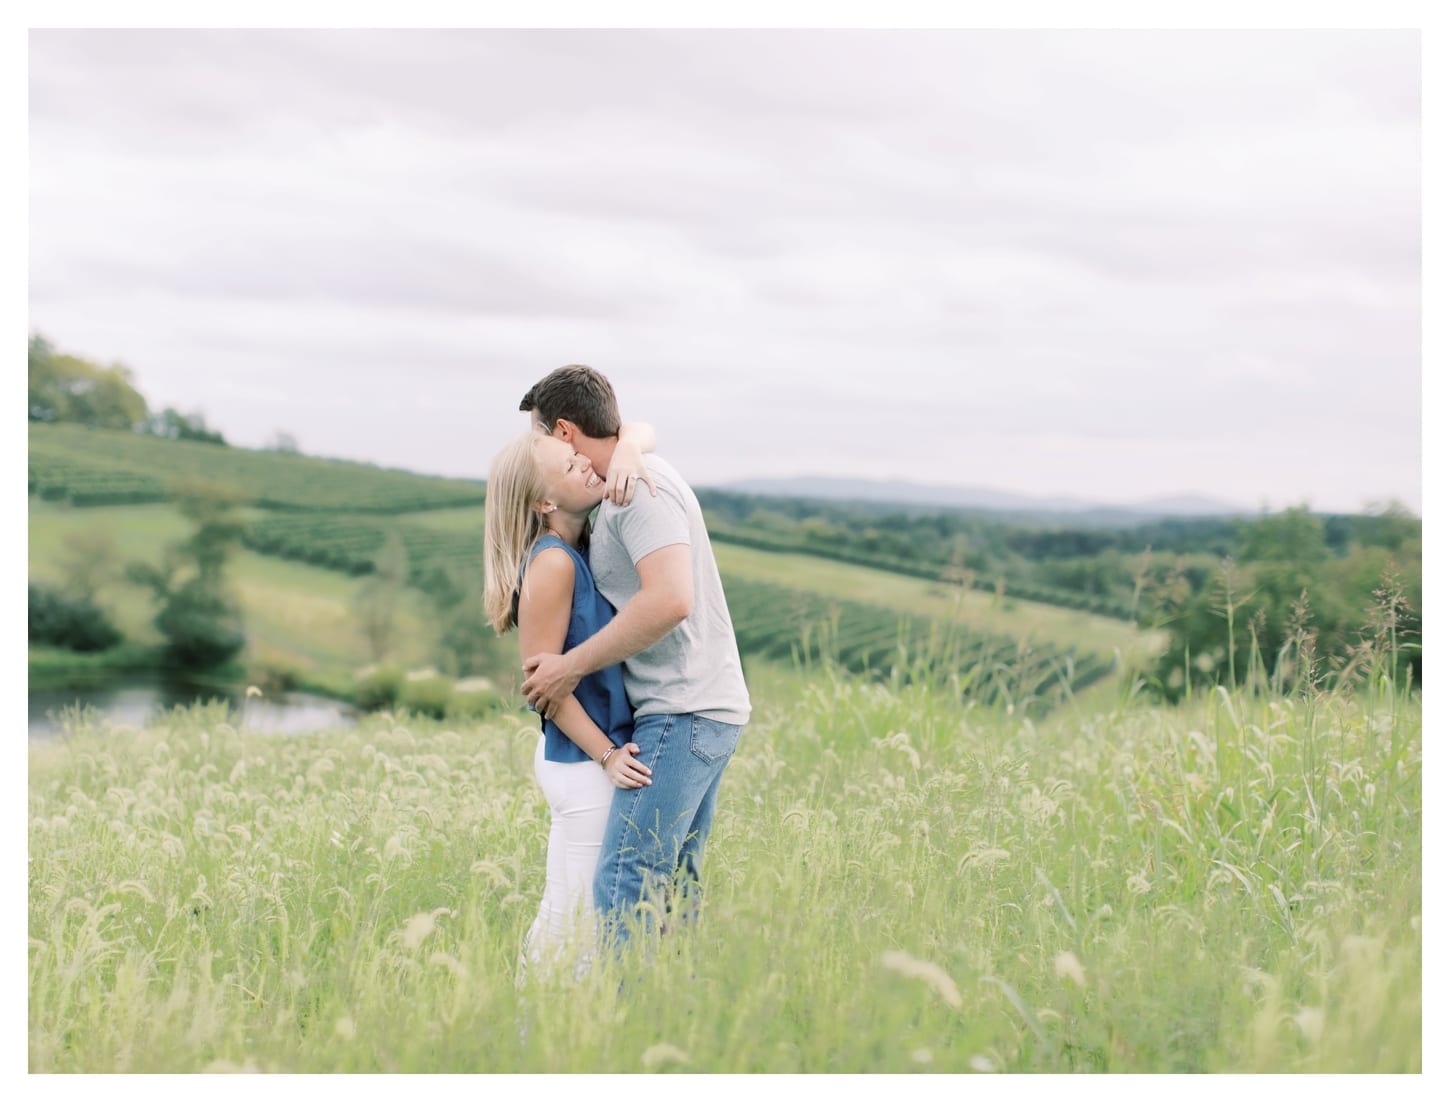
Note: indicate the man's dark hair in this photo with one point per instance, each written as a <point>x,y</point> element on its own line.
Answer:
<point>575,393</point>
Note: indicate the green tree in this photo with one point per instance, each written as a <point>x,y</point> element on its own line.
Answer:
<point>1293,536</point>
<point>175,425</point>
<point>88,560</point>
<point>466,646</point>
<point>380,596</point>
<point>61,620</point>
<point>68,388</point>
<point>197,611</point>
<point>1286,588</point>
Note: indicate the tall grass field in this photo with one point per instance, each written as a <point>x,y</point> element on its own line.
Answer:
<point>897,881</point>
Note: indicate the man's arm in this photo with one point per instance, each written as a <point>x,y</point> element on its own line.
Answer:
<point>666,596</point>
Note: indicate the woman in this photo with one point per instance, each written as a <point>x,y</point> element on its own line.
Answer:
<point>536,578</point>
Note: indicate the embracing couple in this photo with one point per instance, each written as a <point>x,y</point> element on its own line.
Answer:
<point>630,660</point>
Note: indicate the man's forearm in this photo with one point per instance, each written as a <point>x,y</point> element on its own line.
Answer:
<point>645,619</point>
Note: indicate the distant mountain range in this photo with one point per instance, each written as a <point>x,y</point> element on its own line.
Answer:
<point>979,499</point>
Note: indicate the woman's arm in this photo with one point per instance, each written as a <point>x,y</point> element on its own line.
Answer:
<point>628,467</point>
<point>545,604</point>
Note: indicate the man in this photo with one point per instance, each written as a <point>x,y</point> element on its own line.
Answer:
<point>653,562</point>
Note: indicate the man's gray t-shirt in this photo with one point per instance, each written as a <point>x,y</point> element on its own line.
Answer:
<point>696,666</point>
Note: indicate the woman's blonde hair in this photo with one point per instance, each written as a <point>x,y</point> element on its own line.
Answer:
<point>511,524</point>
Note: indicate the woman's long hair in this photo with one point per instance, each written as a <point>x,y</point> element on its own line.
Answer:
<point>511,524</point>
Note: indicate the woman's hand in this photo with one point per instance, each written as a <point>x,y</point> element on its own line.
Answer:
<point>626,470</point>
<point>625,770</point>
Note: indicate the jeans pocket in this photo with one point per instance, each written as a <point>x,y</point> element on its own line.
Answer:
<point>711,740</point>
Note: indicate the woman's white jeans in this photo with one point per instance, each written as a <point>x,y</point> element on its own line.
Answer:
<point>579,796</point>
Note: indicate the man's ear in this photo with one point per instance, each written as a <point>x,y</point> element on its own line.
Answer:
<point>566,431</point>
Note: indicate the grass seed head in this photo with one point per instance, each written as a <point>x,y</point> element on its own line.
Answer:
<point>658,1055</point>
<point>417,930</point>
<point>905,964</point>
<point>1068,967</point>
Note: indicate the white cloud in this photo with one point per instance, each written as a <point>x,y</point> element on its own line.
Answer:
<point>1108,265</point>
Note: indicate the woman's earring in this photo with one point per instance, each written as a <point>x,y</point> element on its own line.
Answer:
<point>549,506</point>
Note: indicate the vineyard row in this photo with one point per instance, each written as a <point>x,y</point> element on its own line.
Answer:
<point>771,621</point>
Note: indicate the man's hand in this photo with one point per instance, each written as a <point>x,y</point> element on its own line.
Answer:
<point>549,680</point>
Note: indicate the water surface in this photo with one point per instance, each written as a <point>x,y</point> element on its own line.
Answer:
<point>134,702</point>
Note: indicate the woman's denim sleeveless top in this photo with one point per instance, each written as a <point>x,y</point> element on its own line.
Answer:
<point>600,693</point>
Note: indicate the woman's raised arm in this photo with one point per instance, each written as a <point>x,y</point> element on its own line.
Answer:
<point>627,467</point>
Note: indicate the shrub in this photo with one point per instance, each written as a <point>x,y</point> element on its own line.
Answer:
<point>378,688</point>
<point>272,677</point>
<point>427,696</point>
<point>71,622</point>
<point>203,627</point>
<point>472,698</point>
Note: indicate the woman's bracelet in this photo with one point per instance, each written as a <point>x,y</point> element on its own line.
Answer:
<point>604,757</point>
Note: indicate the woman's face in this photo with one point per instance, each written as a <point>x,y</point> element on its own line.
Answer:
<point>568,477</point>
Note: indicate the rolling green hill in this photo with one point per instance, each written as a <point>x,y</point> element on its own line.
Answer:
<point>87,466</point>
<point>314,519</point>
<point>298,616</point>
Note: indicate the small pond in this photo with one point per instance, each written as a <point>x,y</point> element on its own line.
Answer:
<point>134,701</point>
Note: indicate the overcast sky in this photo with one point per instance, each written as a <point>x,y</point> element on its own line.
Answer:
<point>1108,265</point>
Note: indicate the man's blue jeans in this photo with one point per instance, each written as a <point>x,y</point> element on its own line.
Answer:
<point>655,835</point>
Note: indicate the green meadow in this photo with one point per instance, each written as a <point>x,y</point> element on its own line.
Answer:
<point>895,883</point>
<point>983,611</point>
<point>959,836</point>
<point>299,617</point>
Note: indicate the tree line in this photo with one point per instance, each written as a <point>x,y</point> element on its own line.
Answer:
<point>1276,596</point>
<point>1273,595</point>
<point>69,388</point>
<point>1292,605</point>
